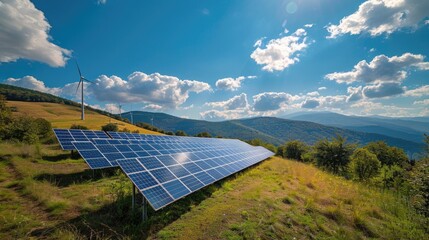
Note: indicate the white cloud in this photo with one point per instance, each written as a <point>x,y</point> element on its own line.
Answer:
<point>381,68</point>
<point>31,82</point>
<point>258,42</point>
<point>101,2</point>
<point>378,17</point>
<point>231,84</point>
<point>426,22</point>
<point>216,115</point>
<point>270,101</point>
<point>313,94</point>
<point>372,50</point>
<point>24,34</point>
<point>162,90</point>
<point>422,102</point>
<point>112,108</point>
<point>321,88</point>
<point>153,107</point>
<point>355,94</point>
<point>236,102</point>
<point>418,92</point>
<point>309,25</point>
<point>383,89</point>
<point>310,103</point>
<point>281,53</point>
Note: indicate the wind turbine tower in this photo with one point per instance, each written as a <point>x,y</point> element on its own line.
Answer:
<point>81,81</point>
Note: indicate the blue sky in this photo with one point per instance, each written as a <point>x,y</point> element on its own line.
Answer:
<point>224,59</point>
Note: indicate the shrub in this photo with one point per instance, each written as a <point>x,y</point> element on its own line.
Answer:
<point>419,180</point>
<point>44,128</point>
<point>364,164</point>
<point>295,149</point>
<point>181,133</point>
<point>170,133</point>
<point>110,127</point>
<point>333,155</point>
<point>386,154</point>
<point>77,126</point>
<point>204,134</point>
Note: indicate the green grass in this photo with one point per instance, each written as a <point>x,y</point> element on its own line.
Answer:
<point>63,116</point>
<point>54,196</point>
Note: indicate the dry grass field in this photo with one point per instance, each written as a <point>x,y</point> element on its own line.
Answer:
<point>63,116</point>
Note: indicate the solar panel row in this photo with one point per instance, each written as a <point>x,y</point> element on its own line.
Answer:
<point>66,136</point>
<point>165,179</point>
<point>164,168</point>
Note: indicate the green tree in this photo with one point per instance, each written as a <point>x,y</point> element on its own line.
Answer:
<point>364,164</point>
<point>426,149</point>
<point>170,133</point>
<point>181,133</point>
<point>23,129</point>
<point>419,181</point>
<point>77,126</point>
<point>386,154</point>
<point>295,149</point>
<point>204,134</point>
<point>110,127</point>
<point>333,155</point>
<point>44,127</point>
<point>5,117</point>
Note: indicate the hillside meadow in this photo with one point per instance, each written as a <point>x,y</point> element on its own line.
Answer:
<point>47,193</point>
<point>63,116</point>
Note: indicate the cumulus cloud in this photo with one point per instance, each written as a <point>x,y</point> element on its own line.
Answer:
<point>381,68</point>
<point>216,115</point>
<point>24,33</point>
<point>236,102</point>
<point>378,17</point>
<point>270,101</point>
<point>281,53</point>
<point>321,88</point>
<point>418,92</point>
<point>383,89</point>
<point>310,103</point>
<point>231,84</point>
<point>422,102</point>
<point>355,94</point>
<point>162,90</point>
<point>31,82</point>
<point>153,107</point>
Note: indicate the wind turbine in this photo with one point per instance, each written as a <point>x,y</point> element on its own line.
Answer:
<point>81,81</point>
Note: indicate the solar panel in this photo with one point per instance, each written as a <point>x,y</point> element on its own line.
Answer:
<point>66,136</point>
<point>164,168</point>
<point>162,181</point>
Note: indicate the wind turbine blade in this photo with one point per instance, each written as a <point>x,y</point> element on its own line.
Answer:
<point>87,80</point>
<point>78,86</point>
<point>77,65</point>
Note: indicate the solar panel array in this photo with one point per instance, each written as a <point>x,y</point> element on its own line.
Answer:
<point>166,168</point>
<point>164,179</point>
<point>66,136</point>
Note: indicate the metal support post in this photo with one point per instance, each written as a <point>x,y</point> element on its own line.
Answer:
<point>133,203</point>
<point>144,209</point>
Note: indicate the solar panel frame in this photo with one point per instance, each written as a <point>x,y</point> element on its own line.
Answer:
<point>66,136</point>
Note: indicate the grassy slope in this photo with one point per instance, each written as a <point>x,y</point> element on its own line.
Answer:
<point>56,197</point>
<point>282,199</point>
<point>63,116</point>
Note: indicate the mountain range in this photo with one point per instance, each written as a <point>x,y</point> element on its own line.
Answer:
<point>275,130</point>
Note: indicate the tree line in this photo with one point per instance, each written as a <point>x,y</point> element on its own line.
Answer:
<point>376,164</point>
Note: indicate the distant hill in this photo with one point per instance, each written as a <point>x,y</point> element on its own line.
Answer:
<point>269,129</point>
<point>62,113</point>
<point>411,129</point>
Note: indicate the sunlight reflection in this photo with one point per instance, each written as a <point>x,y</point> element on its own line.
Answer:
<point>181,157</point>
